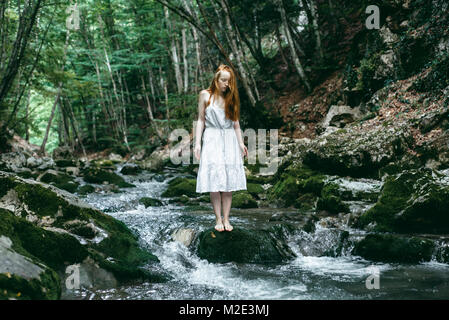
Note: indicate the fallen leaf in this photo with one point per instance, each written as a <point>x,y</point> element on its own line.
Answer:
<point>212,234</point>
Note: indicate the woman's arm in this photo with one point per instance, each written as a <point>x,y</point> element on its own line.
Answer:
<point>201,117</point>
<point>238,132</point>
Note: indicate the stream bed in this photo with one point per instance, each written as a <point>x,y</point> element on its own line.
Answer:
<point>307,276</point>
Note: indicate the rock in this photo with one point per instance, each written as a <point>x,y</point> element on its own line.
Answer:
<point>22,276</point>
<point>59,180</point>
<point>62,152</point>
<point>48,163</point>
<point>241,246</point>
<point>150,202</point>
<point>33,162</point>
<point>60,230</point>
<point>243,200</point>
<point>181,186</point>
<point>394,248</point>
<point>339,116</point>
<point>357,154</point>
<point>130,170</point>
<point>413,201</point>
<point>99,175</point>
<point>115,157</point>
<point>74,171</point>
<point>12,160</point>
<point>184,236</point>
<point>86,189</point>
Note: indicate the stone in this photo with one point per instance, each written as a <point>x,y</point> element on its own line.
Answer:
<point>184,236</point>
<point>242,246</point>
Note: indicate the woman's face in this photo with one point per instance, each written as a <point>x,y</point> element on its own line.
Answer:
<point>223,80</point>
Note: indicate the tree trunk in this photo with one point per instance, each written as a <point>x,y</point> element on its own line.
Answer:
<point>314,11</point>
<point>295,57</point>
<point>58,95</point>
<point>26,23</point>
<point>174,53</point>
<point>238,55</point>
<point>184,60</point>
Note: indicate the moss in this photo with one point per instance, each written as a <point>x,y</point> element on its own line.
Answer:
<point>41,200</point>
<point>86,189</point>
<point>195,208</point>
<point>150,202</point>
<point>98,175</point>
<point>312,184</point>
<point>45,288</point>
<point>182,187</point>
<point>243,200</point>
<point>65,163</point>
<point>284,192</point>
<point>394,195</point>
<point>305,202</point>
<point>6,183</point>
<point>128,257</point>
<point>222,247</point>
<point>55,249</point>
<point>394,248</point>
<point>254,189</point>
<point>330,200</point>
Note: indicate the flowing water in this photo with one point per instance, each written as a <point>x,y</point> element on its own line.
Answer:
<point>308,276</point>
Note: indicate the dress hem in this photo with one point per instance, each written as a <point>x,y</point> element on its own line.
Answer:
<point>221,190</point>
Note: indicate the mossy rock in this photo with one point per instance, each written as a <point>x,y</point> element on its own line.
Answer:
<point>60,208</point>
<point>195,208</point>
<point>394,248</point>
<point>414,201</point>
<point>98,175</point>
<point>150,202</point>
<point>259,179</point>
<point>60,180</point>
<point>254,189</point>
<point>330,200</point>
<point>130,170</point>
<point>86,189</point>
<point>205,198</point>
<point>313,184</point>
<point>305,202</point>
<point>243,200</point>
<point>63,163</point>
<point>284,192</point>
<point>239,245</point>
<point>181,187</point>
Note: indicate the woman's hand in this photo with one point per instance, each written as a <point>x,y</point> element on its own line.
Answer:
<point>244,150</point>
<point>197,152</point>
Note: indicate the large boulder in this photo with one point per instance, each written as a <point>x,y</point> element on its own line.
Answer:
<point>413,201</point>
<point>394,248</point>
<point>59,230</point>
<point>242,246</point>
<point>357,153</point>
<point>22,276</point>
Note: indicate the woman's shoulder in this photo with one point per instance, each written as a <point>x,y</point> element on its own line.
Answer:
<point>205,93</point>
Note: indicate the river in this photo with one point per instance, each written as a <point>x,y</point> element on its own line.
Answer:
<point>307,276</point>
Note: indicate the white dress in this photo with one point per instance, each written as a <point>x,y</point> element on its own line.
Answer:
<point>221,160</point>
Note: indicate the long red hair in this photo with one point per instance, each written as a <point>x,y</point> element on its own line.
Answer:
<point>232,100</point>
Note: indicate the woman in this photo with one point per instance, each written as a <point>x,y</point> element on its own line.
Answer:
<point>221,157</point>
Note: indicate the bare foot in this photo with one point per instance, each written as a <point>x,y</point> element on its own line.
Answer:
<point>219,226</point>
<point>228,226</point>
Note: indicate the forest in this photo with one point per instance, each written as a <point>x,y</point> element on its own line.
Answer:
<point>356,92</point>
